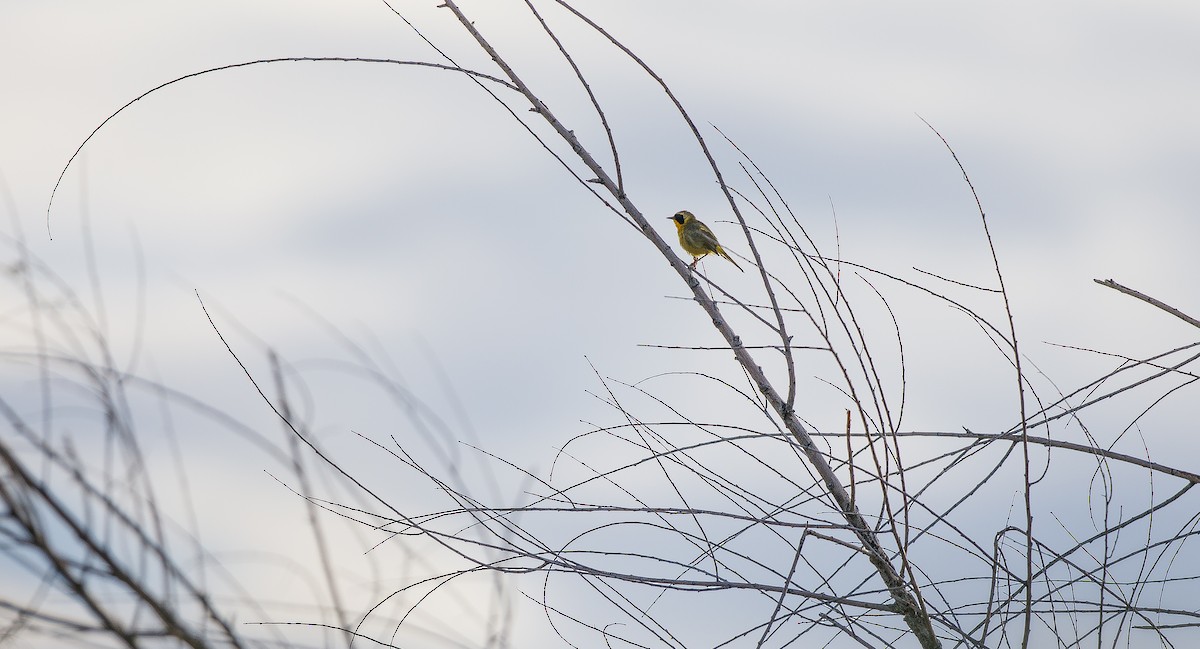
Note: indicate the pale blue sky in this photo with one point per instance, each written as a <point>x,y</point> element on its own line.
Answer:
<point>406,208</point>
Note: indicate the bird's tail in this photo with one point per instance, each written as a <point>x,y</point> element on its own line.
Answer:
<point>724,254</point>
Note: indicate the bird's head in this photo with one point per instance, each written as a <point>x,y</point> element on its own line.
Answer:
<point>682,218</point>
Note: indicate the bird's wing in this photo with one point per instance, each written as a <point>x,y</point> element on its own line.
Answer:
<point>707,236</point>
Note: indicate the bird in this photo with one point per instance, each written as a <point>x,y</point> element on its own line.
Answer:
<point>697,239</point>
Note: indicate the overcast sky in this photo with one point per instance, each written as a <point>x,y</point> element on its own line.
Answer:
<point>410,212</point>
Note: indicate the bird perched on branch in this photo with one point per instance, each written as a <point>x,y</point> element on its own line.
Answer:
<point>697,239</point>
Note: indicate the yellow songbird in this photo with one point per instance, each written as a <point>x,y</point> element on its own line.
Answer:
<point>697,239</point>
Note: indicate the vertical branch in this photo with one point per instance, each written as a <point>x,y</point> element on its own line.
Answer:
<point>850,459</point>
<point>1016,358</point>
